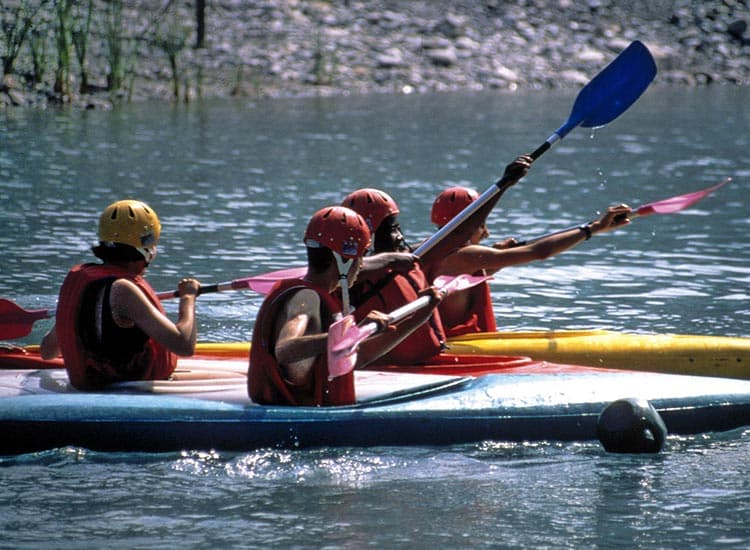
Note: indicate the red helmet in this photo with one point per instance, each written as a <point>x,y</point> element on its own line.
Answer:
<point>373,205</point>
<point>340,229</point>
<point>450,202</point>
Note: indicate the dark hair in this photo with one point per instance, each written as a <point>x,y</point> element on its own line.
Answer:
<point>383,240</point>
<point>319,259</point>
<point>116,253</point>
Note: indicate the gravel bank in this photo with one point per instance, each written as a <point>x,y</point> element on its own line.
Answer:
<point>302,47</point>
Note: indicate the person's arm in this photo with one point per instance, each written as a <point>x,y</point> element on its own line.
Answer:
<point>461,234</point>
<point>130,305</point>
<point>473,258</point>
<point>379,345</point>
<point>49,348</point>
<point>299,339</point>
<point>379,265</point>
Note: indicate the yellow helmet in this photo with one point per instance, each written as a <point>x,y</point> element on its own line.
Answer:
<point>133,223</point>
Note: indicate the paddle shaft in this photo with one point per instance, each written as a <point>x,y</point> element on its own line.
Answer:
<point>603,99</point>
<point>16,322</point>
<point>445,285</point>
<point>204,289</point>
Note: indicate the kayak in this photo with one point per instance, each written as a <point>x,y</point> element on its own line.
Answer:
<point>697,355</point>
<point>205,406</point>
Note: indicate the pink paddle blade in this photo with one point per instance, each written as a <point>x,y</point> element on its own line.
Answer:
<point>675,204</point>
<point>448,284</point>
<point>351,338</point>
<point>340,363</point>
<point>262,284</point>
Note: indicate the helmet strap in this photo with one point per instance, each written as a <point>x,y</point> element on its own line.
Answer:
<point>343,269</point>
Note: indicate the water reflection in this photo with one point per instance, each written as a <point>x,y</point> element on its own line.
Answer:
<point>235,182</point>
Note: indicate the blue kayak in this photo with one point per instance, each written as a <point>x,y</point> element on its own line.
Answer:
<point>207,408</point>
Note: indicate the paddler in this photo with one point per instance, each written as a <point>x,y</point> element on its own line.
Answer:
<point>110,326</point>
<point>471,310</point>
<point>288,356</point>
<point>389,291</point>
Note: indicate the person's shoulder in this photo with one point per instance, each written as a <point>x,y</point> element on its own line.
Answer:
<point>125,289</point>
<point>300,298</point>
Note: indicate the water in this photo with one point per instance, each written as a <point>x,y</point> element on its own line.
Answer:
<point>234,184</point>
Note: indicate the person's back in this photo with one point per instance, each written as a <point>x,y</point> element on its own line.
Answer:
<point>110,325</point>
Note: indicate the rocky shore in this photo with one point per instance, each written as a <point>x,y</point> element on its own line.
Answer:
<point>277,48</point>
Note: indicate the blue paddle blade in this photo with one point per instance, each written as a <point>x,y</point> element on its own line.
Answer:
<point>613,90</point>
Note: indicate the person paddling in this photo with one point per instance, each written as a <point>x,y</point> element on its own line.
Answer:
<point>471,310</point>
<point>110,326</point>
<point>288,356</point>
<point>389,290</point>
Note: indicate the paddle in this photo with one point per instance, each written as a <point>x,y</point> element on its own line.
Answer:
<point>344,337</point>
<point>664,206</point>
<point>677,203</point>
<point>259,283</point>
<point>602,100</point>
<point>16,322</point>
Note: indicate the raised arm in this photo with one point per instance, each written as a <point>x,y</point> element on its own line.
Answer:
<point>474,258</point>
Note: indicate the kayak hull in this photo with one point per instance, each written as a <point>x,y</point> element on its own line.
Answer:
<point>206,407</point>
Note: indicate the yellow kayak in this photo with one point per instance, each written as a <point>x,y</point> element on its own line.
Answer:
<point>723,356</point>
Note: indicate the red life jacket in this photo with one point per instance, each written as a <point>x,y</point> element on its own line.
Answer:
<point>393,292</point>
<point>266,384</point>
<point>90,362</point>
<point>481,316</point>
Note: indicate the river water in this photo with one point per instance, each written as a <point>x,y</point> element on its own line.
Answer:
<point>234,184</point>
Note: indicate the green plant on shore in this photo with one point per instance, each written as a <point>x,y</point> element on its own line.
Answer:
<point>172,39</point>
<point>15,25</point>
<point>38,43</point>
<point>321,74</point>
<point>115,45</point>
<point>237,84</point>
<point>63,13</point>
<point>324,64</point>
<point>80,35</point>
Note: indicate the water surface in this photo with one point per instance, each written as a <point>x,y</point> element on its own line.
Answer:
<point>234,184</point>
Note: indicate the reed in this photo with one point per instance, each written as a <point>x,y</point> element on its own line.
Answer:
<point>15,26</point>
<point>80,33</point>
<point>38,43</point>
<point>172,39</point>
<point>113,19</point>
<point>63,12</point>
